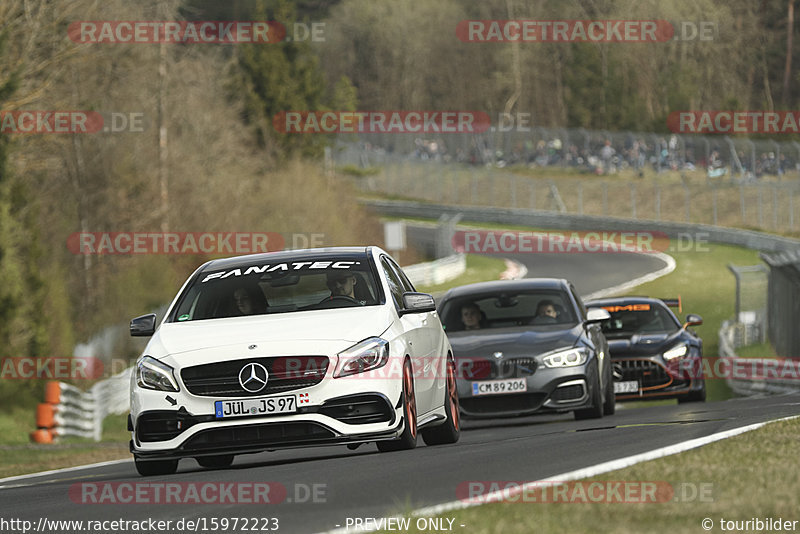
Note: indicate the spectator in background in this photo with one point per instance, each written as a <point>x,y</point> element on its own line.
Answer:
<point>606,154</point>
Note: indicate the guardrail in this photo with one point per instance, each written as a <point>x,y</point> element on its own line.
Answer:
<point>566,221</point>
<point>755,376</point>
<point>438,271</point>
<point>70,411</point>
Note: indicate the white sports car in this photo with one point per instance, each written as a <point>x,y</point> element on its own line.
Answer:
<point>291,349</point>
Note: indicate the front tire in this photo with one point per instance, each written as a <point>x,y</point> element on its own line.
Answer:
<point>596,410</point>
<point>155,467</point>
<point>450,430</point>
<point>698,395</point>
<point>408,439</point>
<point>610,404</point>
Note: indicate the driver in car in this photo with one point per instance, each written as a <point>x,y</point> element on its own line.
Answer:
<point>545,313</point>
<point>341,284</point>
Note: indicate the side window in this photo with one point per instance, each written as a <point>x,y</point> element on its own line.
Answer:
<point>405,283</point>
<point>581,307</point>
<point>395,286</point>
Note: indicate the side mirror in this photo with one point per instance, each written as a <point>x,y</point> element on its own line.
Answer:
<point>417,303</point>
<point>597,315</point>
<point>693,320</point>
<point>144,326</point>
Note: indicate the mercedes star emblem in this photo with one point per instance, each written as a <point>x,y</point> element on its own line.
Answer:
<point>253,377</point>
<point>497,355</point>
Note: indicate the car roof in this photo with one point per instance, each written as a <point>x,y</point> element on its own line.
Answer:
<point>495,286</point>
<point>342,253</point>
<point>624,301</point>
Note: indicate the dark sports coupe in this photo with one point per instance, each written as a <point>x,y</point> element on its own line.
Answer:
<point>527,346</point>
<point>653,354</point>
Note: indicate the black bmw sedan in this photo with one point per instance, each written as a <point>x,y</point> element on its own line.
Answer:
<point>527,346</point>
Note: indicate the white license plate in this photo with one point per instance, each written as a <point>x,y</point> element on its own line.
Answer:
<point>249,407</point>
<point>626,387</point>
<point>499,387</point>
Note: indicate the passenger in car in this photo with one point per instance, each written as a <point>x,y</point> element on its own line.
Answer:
<point>472,316</point>
<point>249,301</point>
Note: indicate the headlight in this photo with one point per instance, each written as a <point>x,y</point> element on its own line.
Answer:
<point>566,358</point>
<point>152,374</point>
<point>676,352</point>
<point>369,354</point>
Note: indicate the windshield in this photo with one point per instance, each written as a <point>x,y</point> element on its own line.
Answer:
<point>502,310</point>
<point>259,288</point>
<point>629,320</point>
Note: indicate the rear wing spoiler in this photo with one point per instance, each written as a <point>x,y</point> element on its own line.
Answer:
<point>674,303</point>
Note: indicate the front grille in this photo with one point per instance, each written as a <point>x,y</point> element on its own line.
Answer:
<point>567,393</point>
<point>258,435</point>
<point>475,369</point>
<point>359,409</point>
<point>492,404</point>
<point>517,367</point>
<point>648,373</point>
<point>286,373</point>
<point>483,369</point>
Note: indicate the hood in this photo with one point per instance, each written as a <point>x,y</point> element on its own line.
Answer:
<point>642,344</point>
<point>336,327</point>
<point>513,341</point>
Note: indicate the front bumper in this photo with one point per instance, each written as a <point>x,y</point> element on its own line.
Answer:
<point>357,411</point>
<point>547,390</point>
<point>259,437</point>
<point>657,378</point>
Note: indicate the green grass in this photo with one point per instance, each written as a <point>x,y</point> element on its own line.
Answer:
<point>20,456</point>
<point>732,479</point>
<point>761,350</point>
<point>353,170</point>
